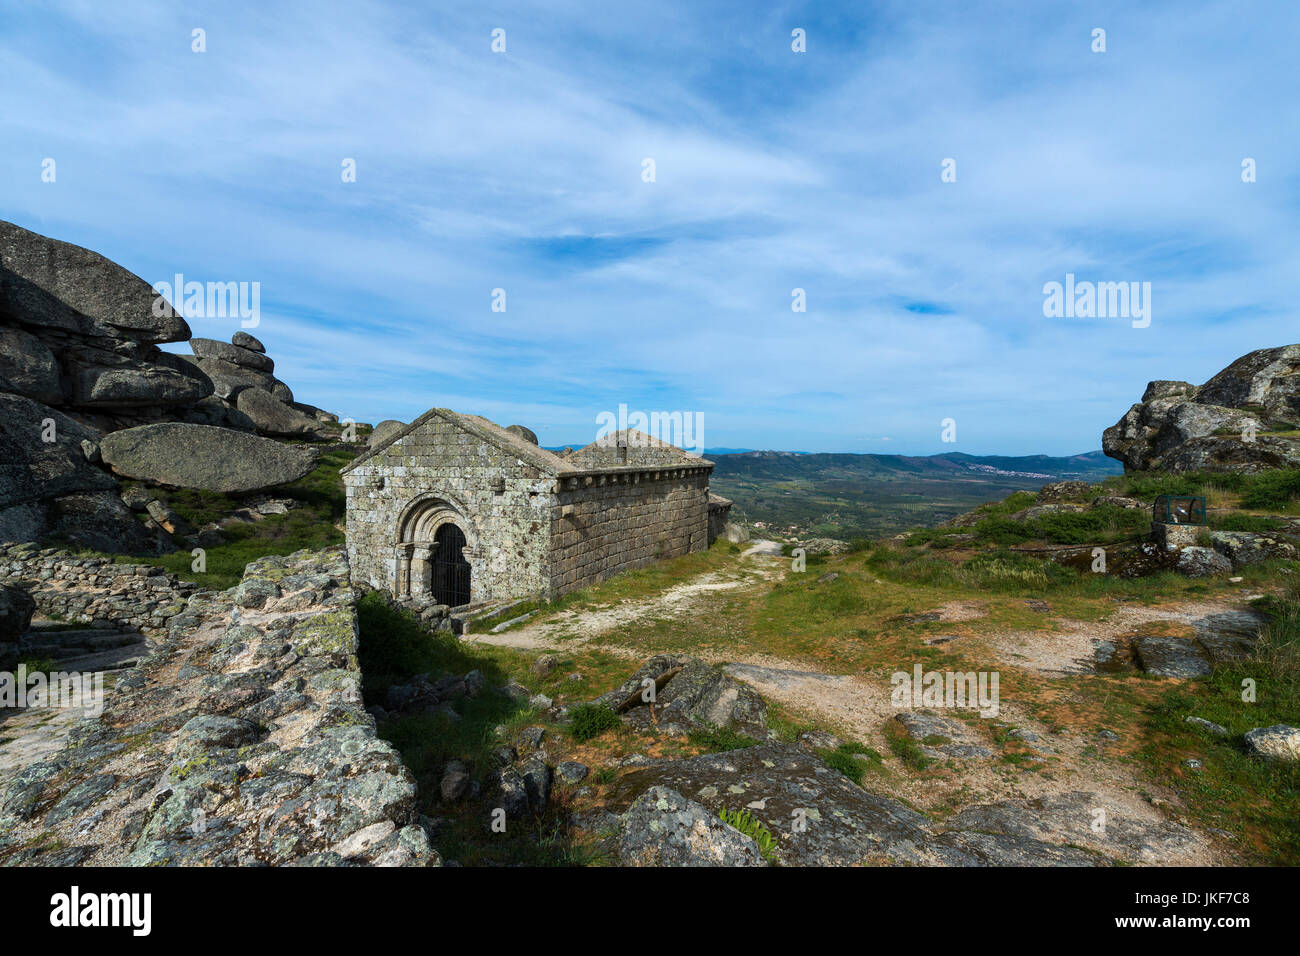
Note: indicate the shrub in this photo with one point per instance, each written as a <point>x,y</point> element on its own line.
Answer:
<point>1258,524</point>
<point>591,720</point>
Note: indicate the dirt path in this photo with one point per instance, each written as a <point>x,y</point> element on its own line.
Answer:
<point>579,625</point>
<point>859,708</point>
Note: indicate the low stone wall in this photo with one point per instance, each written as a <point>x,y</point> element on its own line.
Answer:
<point>242,740</point>
<point>94,590</point>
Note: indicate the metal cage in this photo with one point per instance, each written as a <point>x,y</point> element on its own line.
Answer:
<point>1179,509</point>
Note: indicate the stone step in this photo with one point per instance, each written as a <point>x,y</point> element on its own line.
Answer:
<point>110,660</point>
<point>64,644</point>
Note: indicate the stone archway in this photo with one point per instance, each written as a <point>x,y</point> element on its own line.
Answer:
<point>435,552</point>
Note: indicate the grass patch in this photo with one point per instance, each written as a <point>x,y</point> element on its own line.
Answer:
<point>847,759</point>
<point>720,740</point>
<point>752,827</point>
<point>907,750</point>
<point>588,721</point>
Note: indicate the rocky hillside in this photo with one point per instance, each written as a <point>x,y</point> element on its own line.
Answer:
<point>87,396</point>
<point>1244,419</point>
<point>240,740</point>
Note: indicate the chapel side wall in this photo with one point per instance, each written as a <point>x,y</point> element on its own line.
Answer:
<point>511,527</point>
<point>620,525</point>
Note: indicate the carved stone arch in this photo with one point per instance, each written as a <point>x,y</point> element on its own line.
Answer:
<point>417,543</point>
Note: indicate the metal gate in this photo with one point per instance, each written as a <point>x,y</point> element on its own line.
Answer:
<point>450,584</point>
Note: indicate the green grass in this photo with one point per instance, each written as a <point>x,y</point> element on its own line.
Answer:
<point>1275,488</point>
<point>1257,800</point>
<point>720,740</point>
<point>394,647</point>
<point>909,751</point>
<point>1235,521</point>
<point>752,827</point>
<point>842,759</point>
<point>588,721</point>
<point>1272,489</point>
<point>997,571</point>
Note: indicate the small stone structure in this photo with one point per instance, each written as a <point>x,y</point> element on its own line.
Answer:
<point>453,509</point>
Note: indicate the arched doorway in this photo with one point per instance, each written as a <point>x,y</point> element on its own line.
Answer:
<point>435,552</point>
<point>449,571</point>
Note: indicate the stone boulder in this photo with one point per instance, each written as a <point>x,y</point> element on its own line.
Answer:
<point>49,487</point>
<point>28,368</point>
<point>824,546</point>
<point>1221,453</point>
<point>1266,378</point>
<point>1218,426</point>
<point>1198,562</point>
<point>1058,491</point>
<point>246,341</point>
<point>689,695</point>
<point>735,533</point>
<point>1242,548</point>
<point>1278,742</point>
<point>46,282</point>
<point>213,411</point>
<point>817,816</point>
<point>383,431</point>
<point>229,379</point>
<point>234,354</point>
<point>204,457</point>
<point>130,384</point>
<point>524,432</point>
<point>271,416</point>
<point>663,828</point>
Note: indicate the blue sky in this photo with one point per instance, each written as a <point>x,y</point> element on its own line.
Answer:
<point>775,170</point>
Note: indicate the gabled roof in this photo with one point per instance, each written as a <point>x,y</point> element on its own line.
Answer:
<point>620,451</point>
<point>632,448</point>
<point>482,429</point>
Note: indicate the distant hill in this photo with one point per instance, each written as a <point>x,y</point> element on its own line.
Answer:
<point>1090,466</point>
<point>851,496</point>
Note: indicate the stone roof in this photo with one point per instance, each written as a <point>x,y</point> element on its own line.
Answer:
<point>620,451</point>
<point>632,449</point>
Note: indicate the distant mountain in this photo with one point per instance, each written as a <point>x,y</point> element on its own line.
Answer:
<point>1091,466</point>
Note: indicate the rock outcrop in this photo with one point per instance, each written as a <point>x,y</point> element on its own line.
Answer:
<point>1223,425</point>
<point>241,740</point>
<point>80,365</point>
<point>689,695</point>
<point>49,487</point>
<point>204,457</point>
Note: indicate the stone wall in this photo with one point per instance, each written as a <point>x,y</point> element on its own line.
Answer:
<point>241,740</point>
<point>504,507</point>
<point>719,515</point>
<point>625,521</point>
<point>94,590</point>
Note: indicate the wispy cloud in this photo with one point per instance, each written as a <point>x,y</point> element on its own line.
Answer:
<point>773,171</point>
